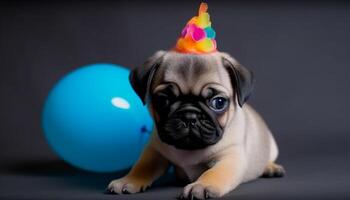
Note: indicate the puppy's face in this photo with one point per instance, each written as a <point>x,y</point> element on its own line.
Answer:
<point>191,97</point>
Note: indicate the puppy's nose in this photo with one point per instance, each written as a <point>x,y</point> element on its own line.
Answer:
<point>190,118</point>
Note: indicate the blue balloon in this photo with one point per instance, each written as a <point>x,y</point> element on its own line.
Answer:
<point>93,119</point>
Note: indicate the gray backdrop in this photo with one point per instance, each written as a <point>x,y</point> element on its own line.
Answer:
<point>299,51</point>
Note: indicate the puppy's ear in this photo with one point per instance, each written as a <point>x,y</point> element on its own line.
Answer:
<point>141,77</point>
<point>242,79</point>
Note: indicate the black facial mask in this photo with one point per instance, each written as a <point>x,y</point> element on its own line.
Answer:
<point>187,123</point>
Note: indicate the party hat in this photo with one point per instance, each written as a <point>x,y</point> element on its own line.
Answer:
<point>198,36</point>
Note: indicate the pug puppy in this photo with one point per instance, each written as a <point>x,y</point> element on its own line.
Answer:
<point>202,126</point>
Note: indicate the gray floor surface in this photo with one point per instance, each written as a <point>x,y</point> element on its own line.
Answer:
<point>317,168</point>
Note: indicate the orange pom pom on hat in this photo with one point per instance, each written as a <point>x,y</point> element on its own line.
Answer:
<point>198,36</point>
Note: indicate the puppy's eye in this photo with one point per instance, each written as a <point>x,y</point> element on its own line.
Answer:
<point>162,101</point>
<point>218,104</point>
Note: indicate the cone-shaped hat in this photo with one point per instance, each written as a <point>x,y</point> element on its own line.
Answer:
<point>198,36</point>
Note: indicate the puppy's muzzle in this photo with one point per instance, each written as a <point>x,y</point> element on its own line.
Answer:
<point>189,127</point>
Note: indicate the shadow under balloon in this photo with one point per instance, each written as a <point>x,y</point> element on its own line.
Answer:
<point>58,171</point>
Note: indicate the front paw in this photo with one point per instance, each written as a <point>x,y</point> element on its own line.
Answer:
<point>198,190</point>
<point>127,185</point>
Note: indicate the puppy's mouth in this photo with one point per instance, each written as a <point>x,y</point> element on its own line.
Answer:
<point>190,129</point>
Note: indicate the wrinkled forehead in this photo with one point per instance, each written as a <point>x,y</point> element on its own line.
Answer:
<point>193,72</point>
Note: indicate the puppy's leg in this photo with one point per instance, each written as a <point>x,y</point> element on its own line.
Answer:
<point>224,176</point>
<point>148,168</point>
<point>273,170</point>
